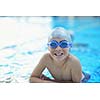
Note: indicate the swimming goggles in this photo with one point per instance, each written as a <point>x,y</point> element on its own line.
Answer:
<point>63,44</point>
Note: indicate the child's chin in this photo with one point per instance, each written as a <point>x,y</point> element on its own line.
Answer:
<point>59,58</point>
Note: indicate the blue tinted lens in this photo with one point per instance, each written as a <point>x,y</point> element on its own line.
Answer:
<point>64,44</point>
<point>53,44</point>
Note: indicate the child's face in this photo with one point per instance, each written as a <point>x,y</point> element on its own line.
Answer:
<point>58,53</point>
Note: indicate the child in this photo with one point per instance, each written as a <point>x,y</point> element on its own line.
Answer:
<point>63,66</point>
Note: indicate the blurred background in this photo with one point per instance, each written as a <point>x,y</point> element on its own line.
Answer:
<point>23,40</point>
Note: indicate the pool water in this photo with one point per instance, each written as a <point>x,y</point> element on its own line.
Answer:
<point>23,42</point>
<point>86,42</point>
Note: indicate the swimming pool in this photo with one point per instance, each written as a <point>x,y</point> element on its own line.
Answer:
<point>86,42</point>
<point>23,42</point>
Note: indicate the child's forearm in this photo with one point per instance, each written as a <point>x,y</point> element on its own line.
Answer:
<point>38,80</point>
<point>43,77</point>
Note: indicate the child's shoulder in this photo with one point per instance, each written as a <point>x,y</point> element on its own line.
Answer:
<point>74,58</point>
<point>46,56</point>
<point>74,62</point>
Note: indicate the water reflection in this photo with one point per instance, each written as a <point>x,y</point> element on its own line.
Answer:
<point>22,41</point>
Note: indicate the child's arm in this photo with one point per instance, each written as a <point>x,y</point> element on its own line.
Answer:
<point>38,80</point>
<point>76,71</point>
<point>35,76</point>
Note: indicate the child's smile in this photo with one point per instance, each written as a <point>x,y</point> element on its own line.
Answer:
<point>58,54</point>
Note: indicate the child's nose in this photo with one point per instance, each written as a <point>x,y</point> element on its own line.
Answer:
<point>58,48</point>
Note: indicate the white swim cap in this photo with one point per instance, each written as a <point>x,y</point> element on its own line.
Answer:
<point>60,32</point>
